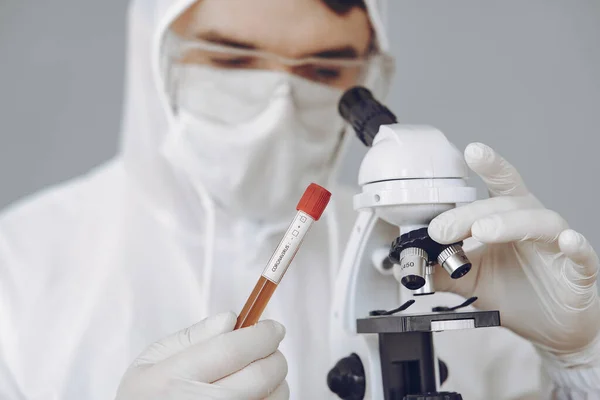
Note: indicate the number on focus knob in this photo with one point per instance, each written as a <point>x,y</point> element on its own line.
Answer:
<point>347,378</point>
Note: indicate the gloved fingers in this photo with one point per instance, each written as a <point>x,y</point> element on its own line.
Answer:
<point>539,225</point>
<point>577,248</point>
<point>227,353</point>
<point>281,393</point>
<point>258,379</point>
<point>200,332</point>
<point>501,178</point>
<point>455,225</point>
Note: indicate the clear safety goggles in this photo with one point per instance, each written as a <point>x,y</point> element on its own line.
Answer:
<point>337,72</point>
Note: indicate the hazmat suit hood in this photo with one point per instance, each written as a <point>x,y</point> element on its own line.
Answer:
<point>148,116</point>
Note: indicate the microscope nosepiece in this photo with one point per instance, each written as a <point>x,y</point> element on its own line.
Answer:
<point>454,260</point>
<point>413,262</point>
<point>411,253</point>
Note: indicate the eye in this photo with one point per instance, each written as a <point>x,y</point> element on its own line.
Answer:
<point>319,73</point>
<point>216,59</point>
<point>327,74</point>
<point>238,62</point>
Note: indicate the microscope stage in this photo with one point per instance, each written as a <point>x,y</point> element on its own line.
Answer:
<point>429,322</point>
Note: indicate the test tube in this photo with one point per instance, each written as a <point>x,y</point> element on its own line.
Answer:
<point>310,208</point>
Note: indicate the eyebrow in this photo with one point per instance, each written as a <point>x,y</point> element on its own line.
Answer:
<point>345,52</point>
<point>338,52</point>
<point>217,38</point>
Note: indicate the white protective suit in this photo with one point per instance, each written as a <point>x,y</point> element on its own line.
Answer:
<point>95,270</point>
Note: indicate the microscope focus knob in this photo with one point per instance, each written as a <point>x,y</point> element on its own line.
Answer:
<point>434,396</point>
<point>347,378</point>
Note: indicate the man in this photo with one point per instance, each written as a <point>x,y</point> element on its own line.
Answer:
<point>230,113</point>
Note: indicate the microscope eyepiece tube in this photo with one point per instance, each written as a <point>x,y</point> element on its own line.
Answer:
<point>411,269</point>
<point>454,260</point>
<point>360,109</point>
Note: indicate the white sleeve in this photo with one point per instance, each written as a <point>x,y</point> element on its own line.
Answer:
<point>573,376</point>
<point>9,389</point>
<point>560,383</point>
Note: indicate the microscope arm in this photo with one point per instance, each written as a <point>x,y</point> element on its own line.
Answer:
<point>361,288</point>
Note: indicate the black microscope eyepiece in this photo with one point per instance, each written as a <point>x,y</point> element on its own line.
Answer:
<point>360,109</point>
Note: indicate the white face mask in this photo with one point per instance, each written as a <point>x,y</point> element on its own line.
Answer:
<point>254,140</point>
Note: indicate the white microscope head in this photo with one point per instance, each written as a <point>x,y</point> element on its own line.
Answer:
<point>411,152</point>
<point>411,174</point>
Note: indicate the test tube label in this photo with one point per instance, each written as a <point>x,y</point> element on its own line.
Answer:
<point>287,248</point>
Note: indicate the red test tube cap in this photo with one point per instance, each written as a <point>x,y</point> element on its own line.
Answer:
<point>314,201</point>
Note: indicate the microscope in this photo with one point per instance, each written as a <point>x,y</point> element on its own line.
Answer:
<point>409,175</point>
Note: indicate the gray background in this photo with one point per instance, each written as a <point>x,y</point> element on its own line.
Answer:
<point>521,76</point>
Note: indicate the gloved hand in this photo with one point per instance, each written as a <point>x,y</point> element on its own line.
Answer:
<point>209,361</point>
<point>527,264</point>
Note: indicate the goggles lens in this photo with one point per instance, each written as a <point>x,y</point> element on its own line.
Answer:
<point>337,72</point>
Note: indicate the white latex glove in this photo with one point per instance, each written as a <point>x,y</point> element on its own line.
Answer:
<point>527,264</point>
<point>209,361</point>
